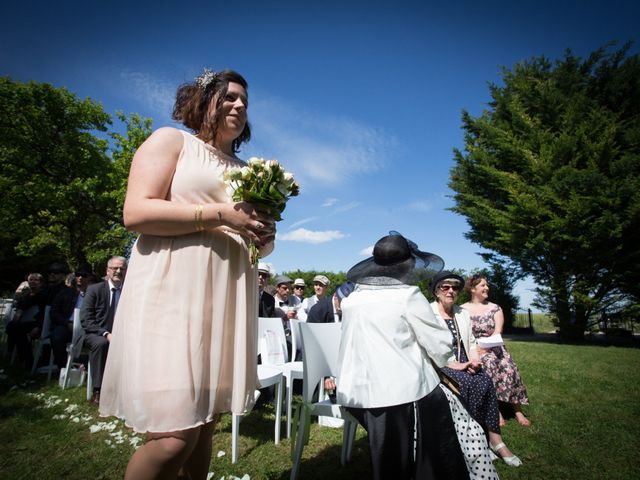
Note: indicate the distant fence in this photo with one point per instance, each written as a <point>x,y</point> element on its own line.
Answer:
<point>523,320</point>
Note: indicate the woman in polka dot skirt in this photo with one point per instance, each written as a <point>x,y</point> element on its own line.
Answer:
<point>476,388</point>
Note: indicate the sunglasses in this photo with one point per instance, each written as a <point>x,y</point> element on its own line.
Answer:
<point>298,287</point>
<point>446,288</point>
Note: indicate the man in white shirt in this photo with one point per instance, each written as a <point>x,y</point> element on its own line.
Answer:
<point>320,285</point>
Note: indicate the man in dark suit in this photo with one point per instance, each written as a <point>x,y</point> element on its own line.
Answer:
<point>64,303</point>
<point>97,313</point>
<point>267,303</point>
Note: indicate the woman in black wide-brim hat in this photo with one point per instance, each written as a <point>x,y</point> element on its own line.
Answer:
<point>417,429</point>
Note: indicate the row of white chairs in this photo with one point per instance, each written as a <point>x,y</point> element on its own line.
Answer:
<point>320,345</point>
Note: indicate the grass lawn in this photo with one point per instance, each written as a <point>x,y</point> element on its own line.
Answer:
<point>585,411</point>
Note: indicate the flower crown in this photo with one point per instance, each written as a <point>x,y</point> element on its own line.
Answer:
<point>205,78</point>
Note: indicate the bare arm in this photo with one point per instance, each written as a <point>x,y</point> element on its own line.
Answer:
<point>498,317</point>
<point>147,210</point>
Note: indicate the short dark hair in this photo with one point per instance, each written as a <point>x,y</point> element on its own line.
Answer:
<point>193,101</point>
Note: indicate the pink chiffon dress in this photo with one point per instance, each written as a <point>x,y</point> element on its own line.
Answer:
<point>184,338</point>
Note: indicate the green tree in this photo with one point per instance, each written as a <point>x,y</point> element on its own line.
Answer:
<point>549,179</point>
<point>60,192</point>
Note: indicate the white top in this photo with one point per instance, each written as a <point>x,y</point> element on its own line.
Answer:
<point>464,326</point>
<point>386,334</point>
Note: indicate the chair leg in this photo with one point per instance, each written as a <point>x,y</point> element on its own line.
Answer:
<point>348,437</point>
<point>68,369</point>
<point>50,364</point>
<point>289,399</point>
<point>89,383</point>
<point>36,357</point>
<point>278,411</point>
<point>295,467</point>
<point>235,428</point>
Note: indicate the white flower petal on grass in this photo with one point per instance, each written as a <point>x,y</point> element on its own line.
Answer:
<point>75,419</point>
<point>71,408</point>
<point>59,417</point>
<point>221,454</point>
<point>15,387</point>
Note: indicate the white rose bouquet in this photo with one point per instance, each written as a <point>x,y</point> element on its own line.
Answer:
<point>266,185</point>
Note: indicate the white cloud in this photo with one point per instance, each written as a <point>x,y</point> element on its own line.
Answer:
<point>346,207</point>
<point>320,149</point>
<point>329,202</point>
<point>158,94</point>
<point>309,236</point>
<point>302,222</point>
<point>367,252</point>
<point>420,206</point>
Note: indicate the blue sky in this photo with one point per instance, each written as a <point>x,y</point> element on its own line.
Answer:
<point>361,100</point>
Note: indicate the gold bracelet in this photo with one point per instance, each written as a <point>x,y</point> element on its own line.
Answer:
<point>199,223</point>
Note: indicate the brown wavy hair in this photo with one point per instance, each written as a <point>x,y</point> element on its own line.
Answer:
<point>193,101</point>
<point>473,281</point>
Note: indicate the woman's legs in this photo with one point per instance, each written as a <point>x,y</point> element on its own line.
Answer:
<point>496,439</point>
<point>163,454</point>
<point>522,420</point>
<point>197,465</point>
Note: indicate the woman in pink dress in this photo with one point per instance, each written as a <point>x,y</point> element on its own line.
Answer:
<point>183,343</point>
<point>487,319</point>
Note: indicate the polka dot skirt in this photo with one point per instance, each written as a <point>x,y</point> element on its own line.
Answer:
<point>472,441</point>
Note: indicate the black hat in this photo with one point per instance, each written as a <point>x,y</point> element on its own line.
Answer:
<point>84,270</point>
<point>57,267</point>
<point>445,275</point>
<point>395,261</point>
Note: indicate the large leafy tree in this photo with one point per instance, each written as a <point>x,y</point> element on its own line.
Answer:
<point>550,177</point>
<point>60,191</point>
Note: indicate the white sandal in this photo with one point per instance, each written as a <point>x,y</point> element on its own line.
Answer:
<point>512,461</point>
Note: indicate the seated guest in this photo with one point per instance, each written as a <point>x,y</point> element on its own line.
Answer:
<point>298,288</point>
<point>320,286</point>
<point>487,320</point>
<point>286,304</point>
<point>327,309</point>
<point>476,388</point>
<point>386,378</point>
<point>57,276</point>
<point>97,313</point>
<point>266,302</point>
<point>27,319</point>
<point>62,313</point>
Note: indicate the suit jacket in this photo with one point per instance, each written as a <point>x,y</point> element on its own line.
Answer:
<point>322,311</point>
<point>266,305</point>
<point>94,313</point>
<point>389,335</point>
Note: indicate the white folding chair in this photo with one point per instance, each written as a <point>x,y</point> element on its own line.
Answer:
<point>74,348</point>
<point>291,370</point>
<point>41,342</point>
<point>321,345</point>
<point>267,376</point>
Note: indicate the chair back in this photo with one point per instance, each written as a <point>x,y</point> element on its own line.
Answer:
<point>271,327</point>
<point>296,343</point>
<point>321,347</point>
<point>46,324</point>
<point>77,336</point>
